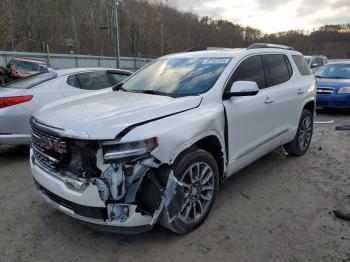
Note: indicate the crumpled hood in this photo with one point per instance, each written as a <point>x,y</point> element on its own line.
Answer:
<point>104,115</point>
<point>332,83</point>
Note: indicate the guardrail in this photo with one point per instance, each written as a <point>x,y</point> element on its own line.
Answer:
<point>59,61</point>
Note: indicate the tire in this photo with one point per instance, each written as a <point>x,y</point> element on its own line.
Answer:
<point>302,140</point>
<point>196,191</point>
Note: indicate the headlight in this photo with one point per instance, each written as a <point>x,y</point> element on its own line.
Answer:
<point>113,150</point>
<point>344,90</point>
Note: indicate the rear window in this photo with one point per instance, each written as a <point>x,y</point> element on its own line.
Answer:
<point>277,69</point>
<point>30,81</point>
<point>301,64</point>
<point>26,66</point>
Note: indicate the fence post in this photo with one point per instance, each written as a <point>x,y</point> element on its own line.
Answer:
<point>76,61</point>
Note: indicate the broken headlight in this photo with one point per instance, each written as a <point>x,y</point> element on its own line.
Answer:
<point>113,150</point>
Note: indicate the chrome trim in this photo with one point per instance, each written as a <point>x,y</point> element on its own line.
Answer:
<point>71,183</point>
<point>248,151</point>
<point>69,133</point>
<point>37,150</point>
<point>325,90</point>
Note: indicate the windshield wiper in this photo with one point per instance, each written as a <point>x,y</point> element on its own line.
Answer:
<point>151,92</point>
<point>118,87</point>
<point>339,77</point>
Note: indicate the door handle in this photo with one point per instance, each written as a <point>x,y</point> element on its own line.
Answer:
<point>269,100</point>
<point>300,92</point>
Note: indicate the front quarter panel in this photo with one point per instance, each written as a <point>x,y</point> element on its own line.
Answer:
<point>180,131</point>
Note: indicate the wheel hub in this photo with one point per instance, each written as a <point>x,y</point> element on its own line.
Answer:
<point>198,182</point>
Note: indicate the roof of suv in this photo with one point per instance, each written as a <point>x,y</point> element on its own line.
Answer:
<point>230,52</point>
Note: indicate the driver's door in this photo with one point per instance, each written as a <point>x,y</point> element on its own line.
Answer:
<point>250,119</point>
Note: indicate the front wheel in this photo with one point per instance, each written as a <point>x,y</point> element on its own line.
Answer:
<point>302,139</point>
<point>199,174</point>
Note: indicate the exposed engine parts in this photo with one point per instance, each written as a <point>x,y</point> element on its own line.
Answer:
<point>121,186</point>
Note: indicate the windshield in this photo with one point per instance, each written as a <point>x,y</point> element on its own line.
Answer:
<point>178,76</point>
<point>334,71</point>
<point>31,81</point>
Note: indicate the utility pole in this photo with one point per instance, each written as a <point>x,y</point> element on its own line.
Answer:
<point>162,35</point>
<point>117,45</point>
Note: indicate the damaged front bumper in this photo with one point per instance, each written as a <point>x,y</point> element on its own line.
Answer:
<point>85,202</point>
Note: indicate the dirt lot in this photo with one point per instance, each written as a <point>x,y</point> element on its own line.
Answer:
<point>277,209</point>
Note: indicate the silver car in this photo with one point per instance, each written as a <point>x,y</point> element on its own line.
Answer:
<point>21,98</point>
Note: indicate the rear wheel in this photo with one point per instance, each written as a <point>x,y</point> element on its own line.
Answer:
<point>302,139</point>
<point>199,174</point>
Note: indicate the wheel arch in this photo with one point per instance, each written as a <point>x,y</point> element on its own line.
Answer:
<point>209,141</point>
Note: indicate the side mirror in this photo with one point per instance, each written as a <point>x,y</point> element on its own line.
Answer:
<point>243,88</point>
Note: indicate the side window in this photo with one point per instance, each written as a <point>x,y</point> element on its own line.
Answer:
<point>317,62</point>
<point>277,71</point>
<point>116,78</point>
<point>72,80</point>
<point>93,80</point>
<point>301,64</point>
<point>251,69</point>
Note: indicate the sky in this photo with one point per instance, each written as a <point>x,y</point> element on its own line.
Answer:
<point>271,16</point>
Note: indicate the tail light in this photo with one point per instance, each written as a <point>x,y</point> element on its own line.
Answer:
<point>13,100</point>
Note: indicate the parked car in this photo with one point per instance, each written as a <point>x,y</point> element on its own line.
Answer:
<point>20,98</point>
<point>156,147</point>
<point>333,85</point>
<point>316,61</point>
<point>26,66</point>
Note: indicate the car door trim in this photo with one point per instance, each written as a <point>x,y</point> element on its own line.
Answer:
<point>253,148</point>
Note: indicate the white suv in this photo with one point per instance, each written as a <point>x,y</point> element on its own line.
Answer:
<point>156,147</point>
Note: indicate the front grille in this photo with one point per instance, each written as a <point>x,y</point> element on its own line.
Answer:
<point>325,91</point>
<point>47,149</point>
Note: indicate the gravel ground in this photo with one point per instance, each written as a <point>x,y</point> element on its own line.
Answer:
<point>277,209</point>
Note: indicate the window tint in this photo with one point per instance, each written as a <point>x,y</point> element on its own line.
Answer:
<point>73,81</point>
<point>30,81</point>
<point>93,80</point>
<point>276,69</point>
<point>301,64</point>
<point>117,78</point>
<point>251,69</point>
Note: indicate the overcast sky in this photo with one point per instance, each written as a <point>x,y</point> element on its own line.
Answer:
<point>272,16</point>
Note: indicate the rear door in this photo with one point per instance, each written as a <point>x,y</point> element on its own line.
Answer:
<point>84,82</point>
<point>286,95</point>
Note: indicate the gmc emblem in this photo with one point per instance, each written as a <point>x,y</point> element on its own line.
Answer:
<point>51,145</point>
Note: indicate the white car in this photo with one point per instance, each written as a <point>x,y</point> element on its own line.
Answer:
<point>156,147</point>
<point>19,99</point>
<point>316,61</point>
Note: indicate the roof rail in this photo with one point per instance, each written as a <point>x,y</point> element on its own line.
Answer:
<point>267,45</point>
<point>194,49</point>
